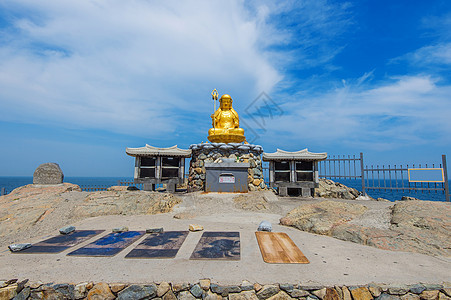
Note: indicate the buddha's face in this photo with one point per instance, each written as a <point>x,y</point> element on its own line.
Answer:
<point>226,104</point>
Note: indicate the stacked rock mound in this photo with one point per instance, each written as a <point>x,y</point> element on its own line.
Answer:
<point>214,152</point>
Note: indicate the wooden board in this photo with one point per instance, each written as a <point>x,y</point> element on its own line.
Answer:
<point>278,248</point>
<point>160,245</point>
<point>61,242</point>
<point>218,245</point>
<point>109,245</point>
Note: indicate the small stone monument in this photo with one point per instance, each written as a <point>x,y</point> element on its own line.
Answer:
<point>48,173</point>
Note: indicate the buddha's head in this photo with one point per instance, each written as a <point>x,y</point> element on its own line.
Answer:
<point>225,102</point>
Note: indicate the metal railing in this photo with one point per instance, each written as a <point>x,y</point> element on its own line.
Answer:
<point>93,188</point>
<point>343,167</point>
<point>130,183</point>
<point>395,178</point>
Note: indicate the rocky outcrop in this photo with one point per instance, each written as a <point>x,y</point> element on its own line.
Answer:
<point>414,226</point>
<point>330,189</point>
<point>31,210</point>
<point>322,217</point>
<point>48,173</point>
<point>125,203</point>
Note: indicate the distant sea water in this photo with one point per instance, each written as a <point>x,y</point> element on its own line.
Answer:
<point>12,182</point>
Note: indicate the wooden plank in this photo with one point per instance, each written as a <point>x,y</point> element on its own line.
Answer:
<point>278,248</point>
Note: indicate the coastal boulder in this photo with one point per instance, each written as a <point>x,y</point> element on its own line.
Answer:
<point>48,173</point>
<point>322,217</point>
<point>413,226</point>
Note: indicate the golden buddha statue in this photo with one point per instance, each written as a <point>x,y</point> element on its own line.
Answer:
<point>225,122</point>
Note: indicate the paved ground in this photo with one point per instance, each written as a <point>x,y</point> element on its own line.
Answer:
<point>331,261</point>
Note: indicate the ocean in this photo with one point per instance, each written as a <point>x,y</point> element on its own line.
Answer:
<point>12,182</point>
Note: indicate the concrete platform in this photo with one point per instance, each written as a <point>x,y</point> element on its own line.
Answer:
<point>332,262</point>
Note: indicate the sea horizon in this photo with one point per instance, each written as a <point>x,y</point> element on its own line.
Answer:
<point>12,182</point>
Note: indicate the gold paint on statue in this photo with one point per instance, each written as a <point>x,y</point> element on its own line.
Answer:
<point>225,122</point>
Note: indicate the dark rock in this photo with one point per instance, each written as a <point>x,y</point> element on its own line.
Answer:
<point>385,296</point>
<point>233,289</point>
<point>224,290</point>
<point>310,287</point>
<point>11,281</point>
<point>285,286</point>
<point>48,173</point>
<point>246,286</point>
<point>67,229</point>
<point>137,292</point>
<point>154,230</point>
<point>398,290</point>
<point>19,247</point>
<point>65,289</point>
<point>21,285</point>
<point>132,188</point>
<point>417,288</point>
<point>216,288</point>
<point>177,287</point>
<point>47,292</point>
<point>433,287</point>
<point>23,295</point>
<point>267,291</point>
<point>297,293</point>
<point>196,290</point>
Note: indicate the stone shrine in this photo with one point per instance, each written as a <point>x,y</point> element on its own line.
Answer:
<point>159,165</point>
<point>294,173</point>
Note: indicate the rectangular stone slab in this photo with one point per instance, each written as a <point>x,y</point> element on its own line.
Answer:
<point>160,245</point>
<point>218,245</point>
<point>62,242</point>
<point>109,245</point>
<point>278,248</point>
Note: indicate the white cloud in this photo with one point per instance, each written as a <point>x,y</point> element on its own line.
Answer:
<point>126,66</point>
<point>408,110</point>
<point>439,54</point>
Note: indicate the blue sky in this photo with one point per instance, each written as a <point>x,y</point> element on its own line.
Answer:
<point>82,80</point>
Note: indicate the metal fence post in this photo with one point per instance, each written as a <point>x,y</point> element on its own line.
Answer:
<point>445,174</point>
<point>362,174</point>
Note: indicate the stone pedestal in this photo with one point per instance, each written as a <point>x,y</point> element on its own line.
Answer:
<point>217,152</point>
<point>227,176</point>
